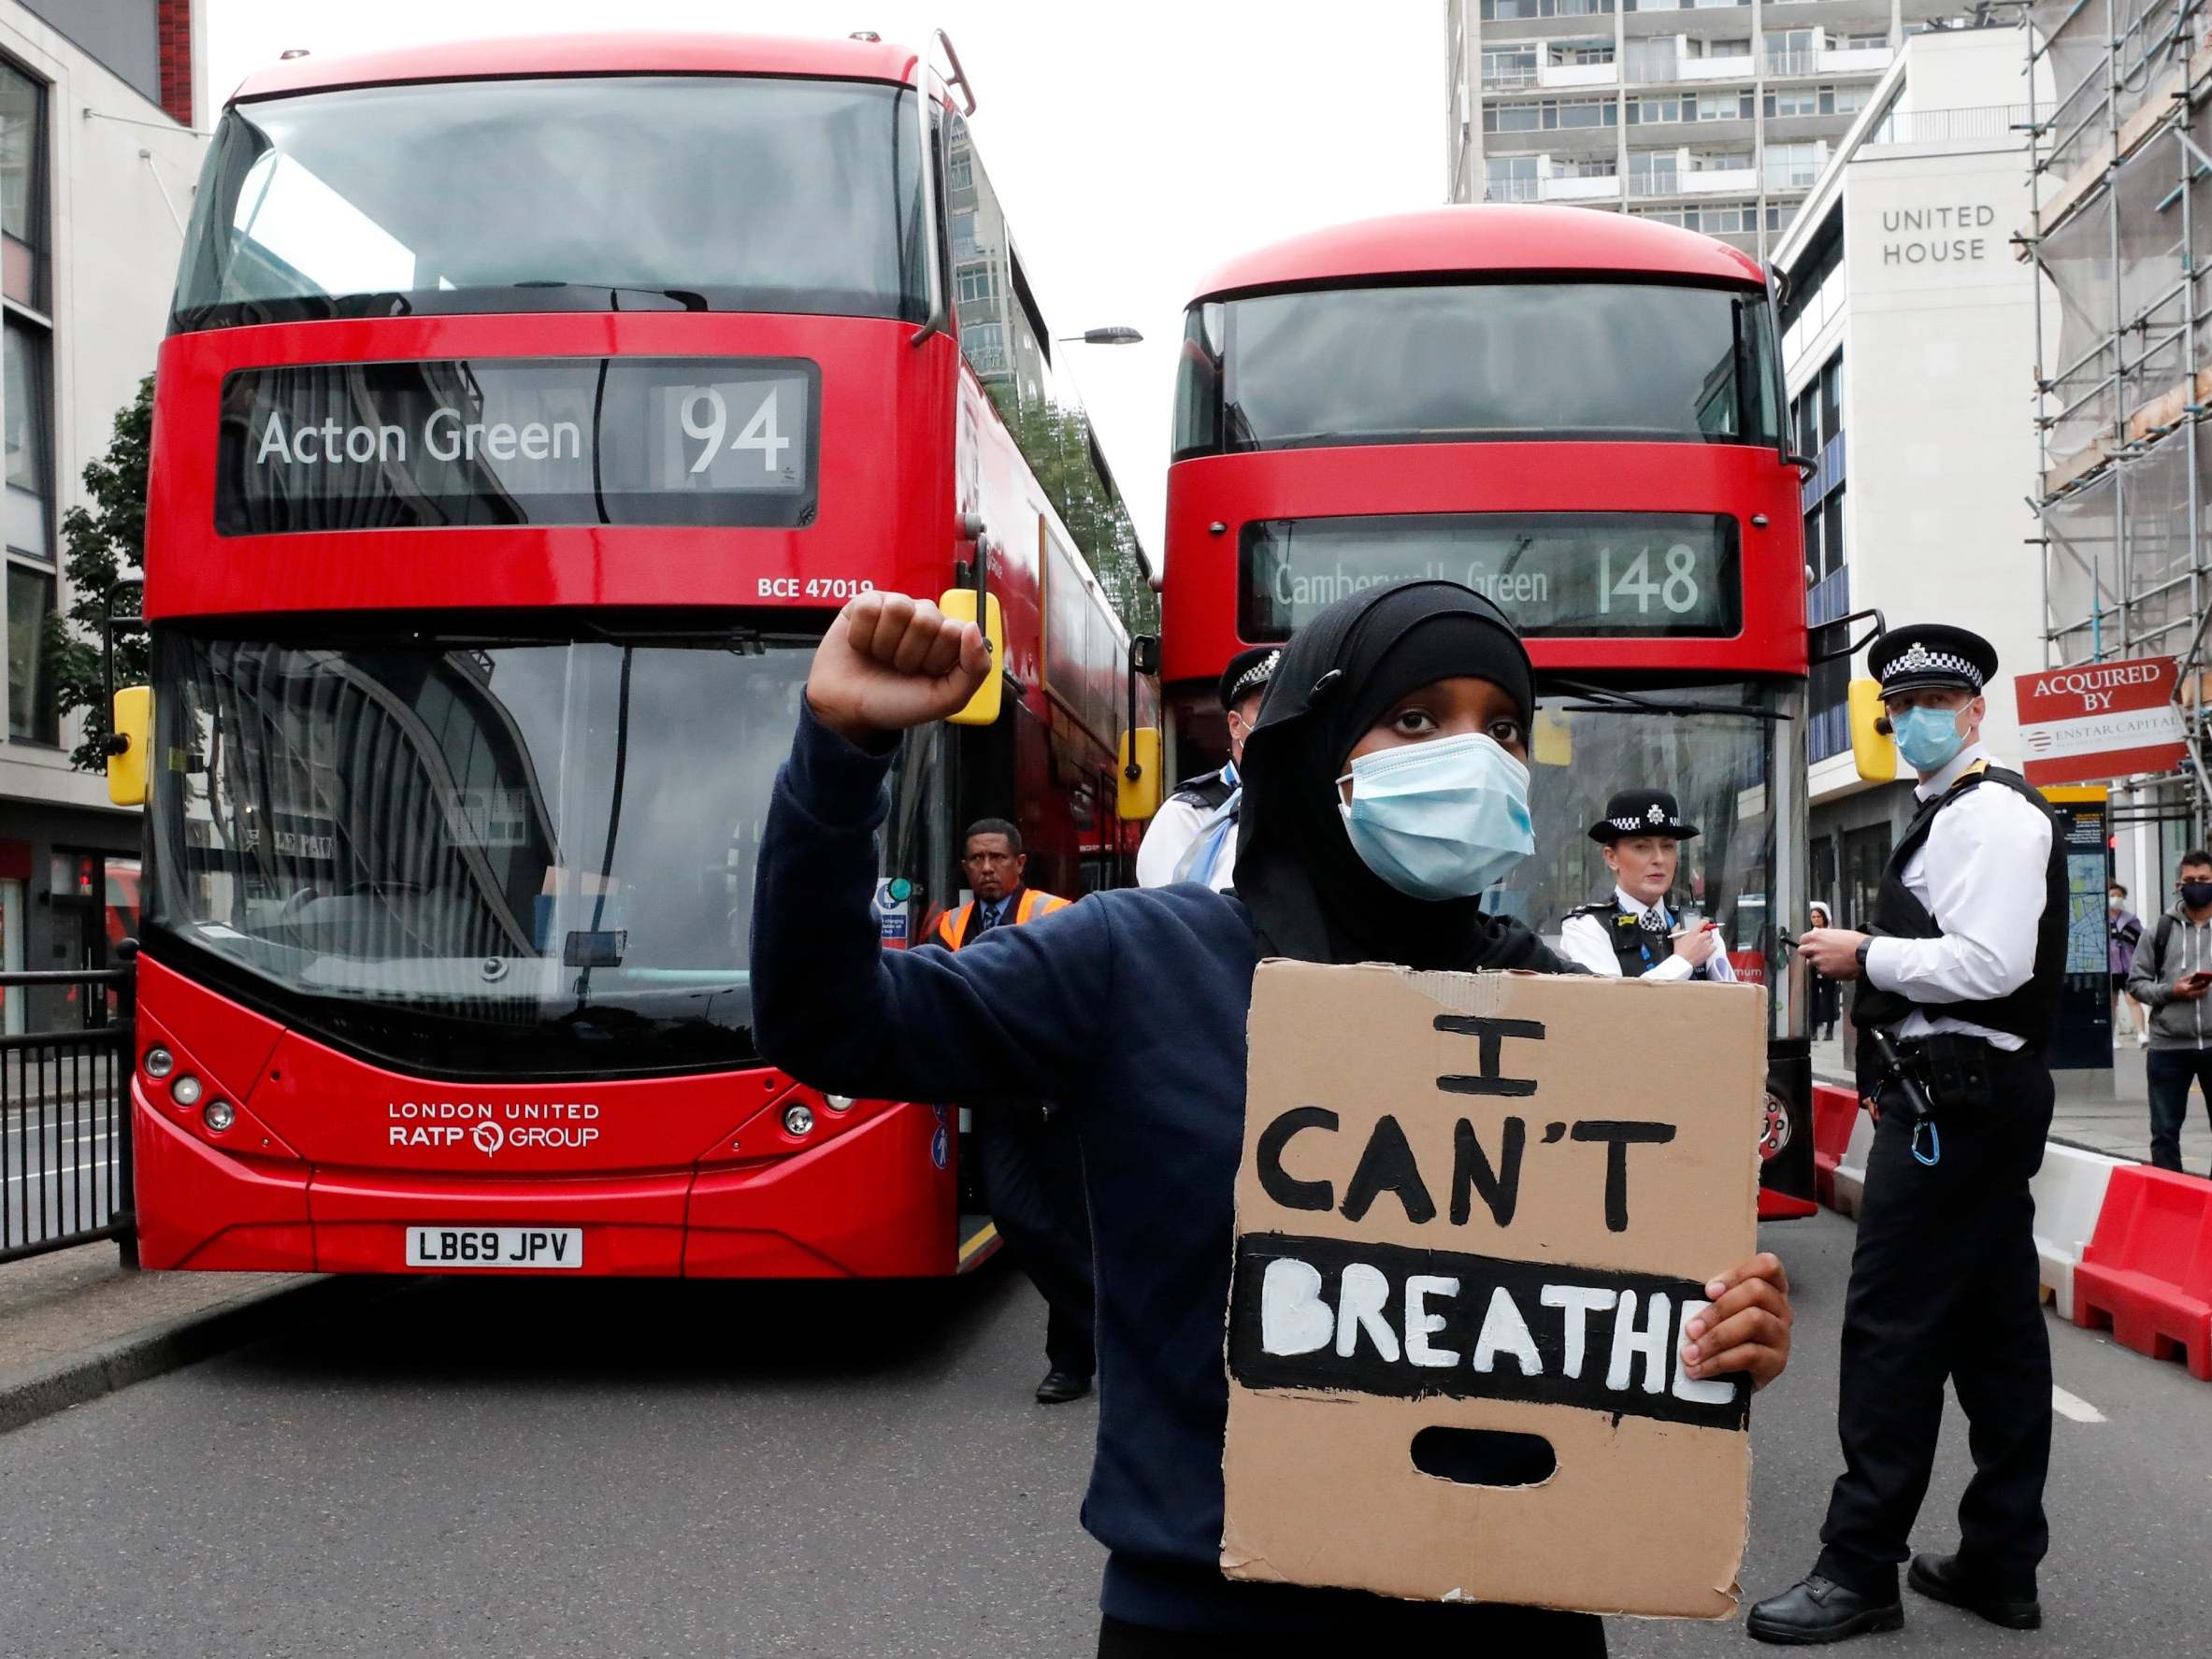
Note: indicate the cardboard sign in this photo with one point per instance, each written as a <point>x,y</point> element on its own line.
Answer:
<point>2096,721</point>
<point>1490,1203</point>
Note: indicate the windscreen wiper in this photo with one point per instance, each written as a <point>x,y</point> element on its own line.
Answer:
<point>1604,699</point>
<point>686,298</point>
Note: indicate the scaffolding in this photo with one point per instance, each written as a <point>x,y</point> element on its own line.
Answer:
<point>2121,226</point>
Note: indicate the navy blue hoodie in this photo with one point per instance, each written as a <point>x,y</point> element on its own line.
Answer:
<point>1128,1008</point>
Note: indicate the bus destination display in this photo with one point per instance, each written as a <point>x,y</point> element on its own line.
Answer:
<point>552,440</point>
<point>1561,574</point>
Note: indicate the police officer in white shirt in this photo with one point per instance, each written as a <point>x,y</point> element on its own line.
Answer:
<point>1633,934</point>
<point>1959,984</point>
<point>1193,837</point>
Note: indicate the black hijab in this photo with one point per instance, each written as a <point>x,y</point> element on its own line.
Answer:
<point>1310,894</point>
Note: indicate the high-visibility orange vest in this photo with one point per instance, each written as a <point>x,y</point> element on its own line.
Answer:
<point>952,927</point>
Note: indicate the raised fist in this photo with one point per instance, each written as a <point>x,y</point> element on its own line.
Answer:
<point>890,662</point>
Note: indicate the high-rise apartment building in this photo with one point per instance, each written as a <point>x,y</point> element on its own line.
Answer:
<point>1716,115</point>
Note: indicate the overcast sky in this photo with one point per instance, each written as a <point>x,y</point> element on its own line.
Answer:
<point>1135,143</point>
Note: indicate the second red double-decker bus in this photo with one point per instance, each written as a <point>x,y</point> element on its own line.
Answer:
<point>1578,415</point>
<point>530,410</point>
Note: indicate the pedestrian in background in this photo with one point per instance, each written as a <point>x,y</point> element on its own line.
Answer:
<point>1959,989</point>
<point>1193,837</point>
<point>2172,973</point>
<point>1388,791</point>
<point>2127,932</point>
<point>1828,996</point>
<point>1031,1167</point>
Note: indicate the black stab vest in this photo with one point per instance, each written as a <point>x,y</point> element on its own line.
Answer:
<point>1635,946</point>
<point>1208,791</point>
<point>2028,1012</point>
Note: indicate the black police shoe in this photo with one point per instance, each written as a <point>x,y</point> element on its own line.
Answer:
<point>1816,1609</point>
<point>1059,1387</point>
<point>1939,1578</point>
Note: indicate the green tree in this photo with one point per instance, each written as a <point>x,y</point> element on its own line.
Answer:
<point>1057,440</point>
<point>104,544</point>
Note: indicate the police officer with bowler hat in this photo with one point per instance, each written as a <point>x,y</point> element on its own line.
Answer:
<point>1957,985</point>
<point>1632,933</point>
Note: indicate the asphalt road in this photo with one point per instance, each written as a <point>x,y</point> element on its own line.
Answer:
<point>502,1468</point>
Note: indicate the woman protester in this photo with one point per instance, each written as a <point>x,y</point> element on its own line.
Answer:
<point>1386,789</point>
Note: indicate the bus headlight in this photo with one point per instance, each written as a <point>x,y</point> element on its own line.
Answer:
<point>799,1121</point>
<point>185,1091</point>
<point>838,1102</point>
<point>160,1062</point>
<point>219,1115</point>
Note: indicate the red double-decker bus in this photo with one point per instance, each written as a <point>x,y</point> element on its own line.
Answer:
<point>1579,415</point>
<point>530,410</point>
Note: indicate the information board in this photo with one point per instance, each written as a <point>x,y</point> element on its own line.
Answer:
<point>548,440</point>
<point>1588,574</point>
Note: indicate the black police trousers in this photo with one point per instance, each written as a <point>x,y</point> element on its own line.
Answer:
<point>1944,1287</point>
<point>1032,1178</point>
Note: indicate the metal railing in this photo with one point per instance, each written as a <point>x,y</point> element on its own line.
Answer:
<point>65,1120</point>
<point>1936,126</point>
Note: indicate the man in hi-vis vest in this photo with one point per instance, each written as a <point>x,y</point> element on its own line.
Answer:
<point>1032,1169</point>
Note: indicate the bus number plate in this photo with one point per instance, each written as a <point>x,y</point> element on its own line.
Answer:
<point>494,1247</point>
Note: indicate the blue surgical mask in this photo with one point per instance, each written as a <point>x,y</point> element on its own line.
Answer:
<point>1928,739</point>
<point>1440,819</point>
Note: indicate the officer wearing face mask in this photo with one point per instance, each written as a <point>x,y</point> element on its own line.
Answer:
<point>1958,984</point>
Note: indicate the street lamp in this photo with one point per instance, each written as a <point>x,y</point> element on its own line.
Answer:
<point>1118,334</point>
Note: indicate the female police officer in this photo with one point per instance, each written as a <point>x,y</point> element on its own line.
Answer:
<point>1387,787</point>
<point>1631,932</point>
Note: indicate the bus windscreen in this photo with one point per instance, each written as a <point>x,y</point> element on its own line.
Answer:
<point>520,856</point>
<point>1579,575</point>
<point>1466,362</point>
<point>562,193</point>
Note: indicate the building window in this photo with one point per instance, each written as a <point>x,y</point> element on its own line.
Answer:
<point>1792,166</point>
<point>1510,65</point>
<point>1801,100</point>
<point>1513,118</point>
<point>26,520</point>
<point>30,685</point>
<point>26,408</point>
<point>976,283</point>
<point>1509,179</point>
<point>22,187</point>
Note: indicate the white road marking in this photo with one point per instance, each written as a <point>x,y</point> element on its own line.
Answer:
<point>2074,1406</point>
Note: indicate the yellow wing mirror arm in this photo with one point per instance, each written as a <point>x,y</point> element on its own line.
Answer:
<point>128,744</point>
<point>1137,792</point>
<point>980,606</point>
<point>130,721</point>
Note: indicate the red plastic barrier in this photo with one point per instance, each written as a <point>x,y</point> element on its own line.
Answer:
<point>1835,1110</point>
<point>2147,1272</point>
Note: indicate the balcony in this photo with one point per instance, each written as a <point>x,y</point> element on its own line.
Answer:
<point>1512,190</point>
<point>1581,190</point>
<point>1734,68</point>
<point>1719,181</point>
<point>1856,60</point>
<point>1509,80</point>
<point>1570,75</point>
